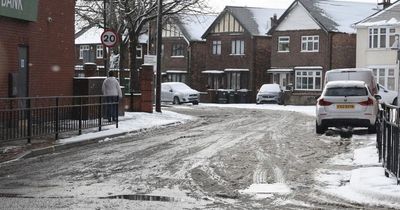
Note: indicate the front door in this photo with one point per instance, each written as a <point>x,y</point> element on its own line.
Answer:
<point>281,79</point>
<point>22,80</point>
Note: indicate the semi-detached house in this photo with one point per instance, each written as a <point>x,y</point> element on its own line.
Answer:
<point>376,48</point>
<point>311,37</point>
<point>238,50</point>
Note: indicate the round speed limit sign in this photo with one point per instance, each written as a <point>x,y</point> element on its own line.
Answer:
<point>109,38</point>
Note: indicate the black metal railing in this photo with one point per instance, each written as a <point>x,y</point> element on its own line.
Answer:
<point>26,118</point>
<point>388,134</point>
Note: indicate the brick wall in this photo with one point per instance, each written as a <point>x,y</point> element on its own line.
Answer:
<point>297,58</point>
<point>50,49</point>
<point>344,50</point>
<point>225,60</point>
<point>170,62</point>
<point>197,64</point>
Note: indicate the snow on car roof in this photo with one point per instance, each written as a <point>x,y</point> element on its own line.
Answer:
<point>345,83</point>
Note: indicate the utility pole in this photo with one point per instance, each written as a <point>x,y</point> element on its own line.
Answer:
<point>159,41</point>
<point>104,47</point>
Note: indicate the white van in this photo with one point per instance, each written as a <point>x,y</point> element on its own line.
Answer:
<point>360,74</point>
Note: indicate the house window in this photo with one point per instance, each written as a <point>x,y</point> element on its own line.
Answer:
<point>216,48</point>
<point>381,37</point>
<point>310,43</point>
<point>308,79</point>
<point>237,47</point>
<point>177,50</point>
<point>237,80</point>
<point>177,77</point>
<point>283,43</point>
<point>99,51</point>
<point>385,76</point>
<point>83,49</point>
<point>139,52</point>
<point>214,81</point>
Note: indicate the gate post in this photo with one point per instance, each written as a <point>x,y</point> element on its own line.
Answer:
<point>146,75</point>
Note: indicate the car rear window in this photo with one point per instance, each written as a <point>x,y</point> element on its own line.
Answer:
<point>346,91</point>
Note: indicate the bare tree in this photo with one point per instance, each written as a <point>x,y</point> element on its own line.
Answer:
<point>130,17</point>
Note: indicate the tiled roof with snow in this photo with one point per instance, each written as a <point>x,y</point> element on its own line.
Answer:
<point>254,19</point>
<point>388,17</point>
<point>339,16</point>
<point>194,26</point>
<point>92,36</point>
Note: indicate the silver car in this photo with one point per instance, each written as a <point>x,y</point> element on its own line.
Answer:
<point>270,93</point>
<point>178,93</point>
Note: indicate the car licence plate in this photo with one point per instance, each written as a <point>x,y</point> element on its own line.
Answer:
<point>345,106</point>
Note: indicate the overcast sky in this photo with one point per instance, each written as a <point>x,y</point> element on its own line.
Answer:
<point>220,4</point>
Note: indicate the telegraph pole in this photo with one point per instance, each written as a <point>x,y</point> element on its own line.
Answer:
<point>104,47</point>
<point>159,41</point>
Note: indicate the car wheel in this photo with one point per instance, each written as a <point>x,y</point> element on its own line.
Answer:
<point>176,100</point>
<point>195,103</point>
<point>395,102</point>
<point>320,129</point>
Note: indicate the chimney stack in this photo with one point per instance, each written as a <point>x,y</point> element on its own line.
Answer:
<point>385,3</point>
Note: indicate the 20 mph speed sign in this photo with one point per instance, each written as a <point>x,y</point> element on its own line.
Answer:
<point>109,38</point>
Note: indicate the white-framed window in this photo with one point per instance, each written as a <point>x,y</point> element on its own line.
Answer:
<point>385,76</point>
<point>177,50</point>
<point>82,50</point>
<point>308,80</point>
<point>176,77</point>
<point>381,37</point>
<point>237,47</point>
<point>216,47</point>
<point>139,52</point>
<point>214,81</point>
<point>99,51</point>
<point>283,43</point>
<point>310,43</point>
<point>237,80</point>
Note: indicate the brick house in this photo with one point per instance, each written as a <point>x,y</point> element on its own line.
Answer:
<point>36,48</point>
<point>376,36</point>
<point>311,37</point>
<point>89,49</point>
<point>238,51</point>
<point>183,48</point>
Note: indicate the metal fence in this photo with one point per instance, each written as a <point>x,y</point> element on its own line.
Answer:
<point>26,118</point>
<point>388,134</point>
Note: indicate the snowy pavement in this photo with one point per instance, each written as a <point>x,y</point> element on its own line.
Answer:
<point>355,176</point>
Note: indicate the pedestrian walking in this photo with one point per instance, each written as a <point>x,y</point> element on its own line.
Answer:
<point>112,90</point>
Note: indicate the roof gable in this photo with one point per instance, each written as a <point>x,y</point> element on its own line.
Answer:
<point>252,20</point>
<point>298,19</point>
<point>332,15</point>
<point>387,17</point>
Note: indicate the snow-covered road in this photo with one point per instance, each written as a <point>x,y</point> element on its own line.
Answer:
<point>225,158</point>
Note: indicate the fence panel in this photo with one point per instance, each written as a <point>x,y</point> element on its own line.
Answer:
<point>30,117</point>
<point>388,136</point>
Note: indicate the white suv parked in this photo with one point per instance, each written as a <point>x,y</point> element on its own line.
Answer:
<point>346,103</point>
